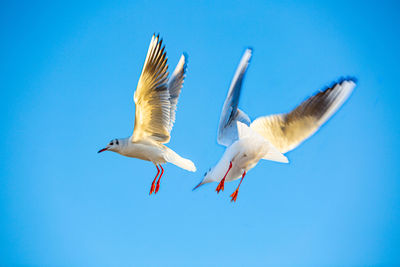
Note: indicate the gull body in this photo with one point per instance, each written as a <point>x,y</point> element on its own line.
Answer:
<point>267,137</point>
<point>145,150</point>
<point>244,154</point>
<point>156,99</point>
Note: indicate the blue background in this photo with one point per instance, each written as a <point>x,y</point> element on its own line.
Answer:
<point>68,73</point>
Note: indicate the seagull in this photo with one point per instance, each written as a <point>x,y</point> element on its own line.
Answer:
<point>267,137</point>
<point>156,98</point>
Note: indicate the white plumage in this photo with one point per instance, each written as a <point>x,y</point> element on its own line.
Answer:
<point>270,136</point>
<point>156,98</point>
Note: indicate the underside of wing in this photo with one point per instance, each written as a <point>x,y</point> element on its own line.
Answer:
<point>227,129</point>
<point>175,85</point>
<point>152,98</point>
<point>287,131</point>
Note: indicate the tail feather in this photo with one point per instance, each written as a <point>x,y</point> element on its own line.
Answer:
<point>177,160</point>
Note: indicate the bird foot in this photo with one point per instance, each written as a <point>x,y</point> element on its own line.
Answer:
<point>152,188</point>
<point>157,187</point>
<point>220,186</point>
<point>234,195</point>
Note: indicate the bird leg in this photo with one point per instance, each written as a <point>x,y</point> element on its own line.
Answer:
<point>221,184</point>
<point>153,183</point>
<point>159,178</point>
<point>234,194</point>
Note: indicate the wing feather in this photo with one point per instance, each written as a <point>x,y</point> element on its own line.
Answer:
<point>227,129</point>
<point>287,131</point>
<point>175,85</point>
<point>152,98</point>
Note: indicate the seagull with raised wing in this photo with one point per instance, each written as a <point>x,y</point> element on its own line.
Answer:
<point>267,137</point>
<point>156,98</point>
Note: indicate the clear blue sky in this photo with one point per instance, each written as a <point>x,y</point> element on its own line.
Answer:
<point>68,73</point>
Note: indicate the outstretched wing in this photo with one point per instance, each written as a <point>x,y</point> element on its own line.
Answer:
<point>175,85</point>
<point>152,98</point>
<point>227,129</point>
<point>287,131</point>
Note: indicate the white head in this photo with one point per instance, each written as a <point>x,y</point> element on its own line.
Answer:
<point>115,145</point>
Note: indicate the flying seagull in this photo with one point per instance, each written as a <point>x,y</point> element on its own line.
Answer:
<point>267,137</point>
<point>155,98</point>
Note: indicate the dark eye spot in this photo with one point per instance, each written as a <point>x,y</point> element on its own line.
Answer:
<point>116,141</point>
<point>111,143</point>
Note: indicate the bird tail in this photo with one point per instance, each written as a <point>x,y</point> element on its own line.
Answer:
<point>177,160</point>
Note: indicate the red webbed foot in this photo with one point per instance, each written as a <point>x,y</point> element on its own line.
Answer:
<point>221,184</point>
<point>157,187</point>
<point>234,195</point>
<point>152,187</point>
<point>154,181</point>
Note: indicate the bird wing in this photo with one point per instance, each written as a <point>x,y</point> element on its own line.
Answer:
<point>175,85</point>
<point>152,98</point>
<point>227,129</point>
<point>287,131</point>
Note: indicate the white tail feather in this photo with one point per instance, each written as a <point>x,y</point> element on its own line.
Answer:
<point>177,160</point>
<point>274,155</point>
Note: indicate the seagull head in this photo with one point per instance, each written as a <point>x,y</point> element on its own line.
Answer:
<point>114,145</point>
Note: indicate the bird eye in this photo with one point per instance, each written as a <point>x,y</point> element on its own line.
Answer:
<point>111,143</point>
<point>116,141</point>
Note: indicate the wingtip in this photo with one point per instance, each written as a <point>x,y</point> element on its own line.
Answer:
<point>347,84</point>
<point>185,56</point>
<point>190,166</point>
<point>184,60</point>
<point>156,37</point>
<point>341,81</point>
<point>351,79</point>
<point>248,53</point>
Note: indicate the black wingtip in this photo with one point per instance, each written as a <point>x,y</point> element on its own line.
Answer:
<point>156,36</point>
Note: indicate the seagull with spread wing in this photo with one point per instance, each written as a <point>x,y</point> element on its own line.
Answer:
<point>267,137</point>
<point>155,98</point>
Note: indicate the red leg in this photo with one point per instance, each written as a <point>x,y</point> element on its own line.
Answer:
<point>153,183</point>
<point>221,184</point>
<point>234,194</point>
<point>159,178</point>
